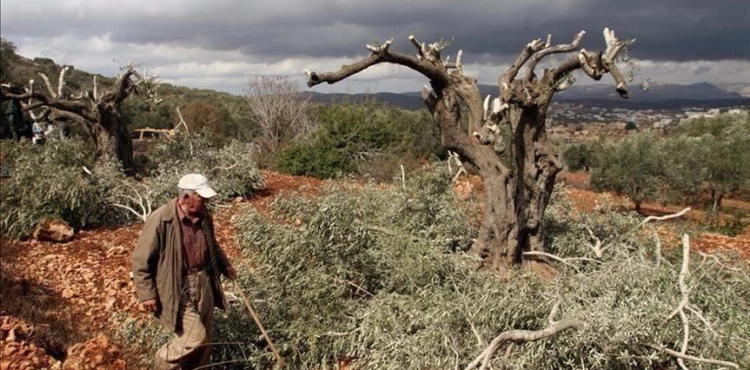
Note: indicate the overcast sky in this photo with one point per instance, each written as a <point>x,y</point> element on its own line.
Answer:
<point>222,44</point>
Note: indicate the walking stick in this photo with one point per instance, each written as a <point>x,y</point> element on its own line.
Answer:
<point>260,326</point>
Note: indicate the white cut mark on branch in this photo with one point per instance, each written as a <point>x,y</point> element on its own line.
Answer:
<point>452,156</point>
<point>48,85</point>
<point>403,177</point>
<point>224,168</point>
<point>379,48</point>
<point>61,81</point>
<point>521,336</point>
<point>680,310</point>
<point>597,247</point>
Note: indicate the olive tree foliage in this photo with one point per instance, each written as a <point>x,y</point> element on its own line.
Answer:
<point>280,111</point>
<point>634,167</point>
<point>715,152</point>
<point>518,190</point>
<point>49,182</point>
<point>96,110</point>
<point>378,276</point>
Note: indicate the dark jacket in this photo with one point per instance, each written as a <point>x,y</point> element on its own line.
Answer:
<point>158,266</point>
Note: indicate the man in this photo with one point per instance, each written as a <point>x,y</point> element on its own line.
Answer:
<point>176,268</point>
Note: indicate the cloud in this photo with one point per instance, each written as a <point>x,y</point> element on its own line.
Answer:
<point>216,41</point>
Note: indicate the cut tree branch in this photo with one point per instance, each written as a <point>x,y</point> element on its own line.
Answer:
<point>692,358</point>
<point>685,303</point>
<point>562,48</point>
<point>521,336</point>
<point>435,72</point>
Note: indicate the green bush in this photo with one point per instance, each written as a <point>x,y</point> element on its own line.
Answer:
<point>228,166</point>
<point>369,274</point>
<point>48,181</point>
<point>352,137</point>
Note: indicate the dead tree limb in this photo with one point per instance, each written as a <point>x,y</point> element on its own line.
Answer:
<point>680,310</point>
<point>521,336</point>
<point>644,222</point>
<point>683,356</point>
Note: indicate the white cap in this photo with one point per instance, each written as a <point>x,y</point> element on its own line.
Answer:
<point>196,182</point>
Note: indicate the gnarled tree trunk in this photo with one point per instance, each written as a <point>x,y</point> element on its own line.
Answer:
<point>518,192</point>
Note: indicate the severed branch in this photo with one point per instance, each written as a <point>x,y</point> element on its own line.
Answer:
<point>142,200</point>
<point>646,221</point>
<point>521,336</point>
<point>547,50</point>
<point>435,72</point>
<point>187,130</point>
<point>594,64</point>
<point>532,47</point>
<point>453,156</point>
<point>680,310</point>
<point>693,358</point>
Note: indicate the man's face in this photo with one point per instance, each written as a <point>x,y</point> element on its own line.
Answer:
<point>193,204</point>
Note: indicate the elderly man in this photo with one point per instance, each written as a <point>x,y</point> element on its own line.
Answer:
<point>176,268</point>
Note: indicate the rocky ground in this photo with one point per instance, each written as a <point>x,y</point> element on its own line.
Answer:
<point>64,301</point>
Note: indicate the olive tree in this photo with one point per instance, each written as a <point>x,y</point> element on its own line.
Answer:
<point>97,112</point>
<point>635,168</point>
<point>517,191</point>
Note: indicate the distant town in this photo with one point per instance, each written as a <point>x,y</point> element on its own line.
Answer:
<point>576,122</point>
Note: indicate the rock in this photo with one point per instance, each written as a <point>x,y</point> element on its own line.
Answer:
<point>54,231</point>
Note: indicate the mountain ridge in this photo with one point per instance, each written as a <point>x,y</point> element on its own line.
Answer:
<point>658,96</point>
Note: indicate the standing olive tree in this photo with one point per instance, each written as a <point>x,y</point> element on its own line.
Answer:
<point>517,193</point>
<point>98,112</point>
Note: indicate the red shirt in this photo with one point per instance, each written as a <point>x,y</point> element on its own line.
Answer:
<point>194,245</point>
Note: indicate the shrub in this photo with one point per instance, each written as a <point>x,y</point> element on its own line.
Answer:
<point>350,138</point>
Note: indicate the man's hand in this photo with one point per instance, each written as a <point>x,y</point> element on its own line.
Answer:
<point>230,273</point>
<point>149,305</point>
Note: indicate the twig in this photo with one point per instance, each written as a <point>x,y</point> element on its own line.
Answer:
<point>685,303</point>
<point>645,221</point>
<point>560,259</point>
<point>693,358</point>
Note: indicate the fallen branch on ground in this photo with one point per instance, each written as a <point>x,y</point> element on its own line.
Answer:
<point>680,310</point>
<point>520,336</point>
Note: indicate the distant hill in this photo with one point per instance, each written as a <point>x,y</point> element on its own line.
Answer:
<point>658,96</point>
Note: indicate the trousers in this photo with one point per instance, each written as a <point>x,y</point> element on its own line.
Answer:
<point>191,347</point>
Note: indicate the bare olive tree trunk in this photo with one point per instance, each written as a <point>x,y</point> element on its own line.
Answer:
<point>518,192</point>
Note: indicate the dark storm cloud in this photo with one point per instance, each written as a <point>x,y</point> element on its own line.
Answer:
<point>668,30</point>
